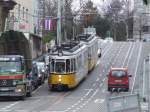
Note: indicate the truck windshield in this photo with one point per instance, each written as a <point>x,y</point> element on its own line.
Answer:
<point>118,73</point>
<point>10,66</point>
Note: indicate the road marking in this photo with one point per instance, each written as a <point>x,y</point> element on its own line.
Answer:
<point>61,98</point>
<point>36,89</point>
<point>89,90</point>
<point>101,84</point>
<point>103,91</point>
<point>127,54</point>
<point>97,79</point>
<point>107,50</point>
<point>99,101</point>
<point>117,104</point>
<point>135,74</point>
<point>1,110</point>
<point>94,84</point>
<point>104,79</point>
<point>9,106</point>
<point>130,54</point>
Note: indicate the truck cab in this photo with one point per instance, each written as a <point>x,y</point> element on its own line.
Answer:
<point>118,80</point>
<point>14,79</point>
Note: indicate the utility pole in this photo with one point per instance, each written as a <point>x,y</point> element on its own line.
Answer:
<point>59,23</point>
<point>127,23</point>
<point>64,21</point>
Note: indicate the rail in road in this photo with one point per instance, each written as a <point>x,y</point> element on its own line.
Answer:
<point>91,94</point>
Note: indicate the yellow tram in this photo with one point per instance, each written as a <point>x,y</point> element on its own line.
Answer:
<point>68,65</point>
<point>91,40</point>
<point>71,63</point>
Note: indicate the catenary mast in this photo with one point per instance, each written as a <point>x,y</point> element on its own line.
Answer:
<point>59,23</point>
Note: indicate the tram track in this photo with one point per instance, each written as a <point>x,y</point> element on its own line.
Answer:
<point>90,92</point>
<point>93,91</point>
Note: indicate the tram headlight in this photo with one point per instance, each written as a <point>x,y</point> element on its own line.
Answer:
<point>59,80</point>
<point>59,76</point>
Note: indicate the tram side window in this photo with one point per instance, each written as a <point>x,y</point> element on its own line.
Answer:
<point>52,65</point>
<point>67,65</point>
<point>89,53</point>
<point>73,65</point>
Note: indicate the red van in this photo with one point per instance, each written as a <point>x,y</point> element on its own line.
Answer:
<point>118,80</point>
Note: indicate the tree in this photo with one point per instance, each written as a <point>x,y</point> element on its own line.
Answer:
<point>120,19</point>
<point>146,2</point>
<point>48,37</point>
<point>102,26</point>
<point>89,14</point>
<point>67,16</point>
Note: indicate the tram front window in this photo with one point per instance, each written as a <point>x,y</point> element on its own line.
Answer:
<point>60,67</point>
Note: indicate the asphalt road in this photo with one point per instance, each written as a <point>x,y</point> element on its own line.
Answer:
<point>91,95</point>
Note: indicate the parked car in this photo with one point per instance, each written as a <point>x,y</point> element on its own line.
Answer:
<point>108,40</point>
<point>118,79</point>
<point>40,71</point>
<point>99,52</point>
<point>33,75</point>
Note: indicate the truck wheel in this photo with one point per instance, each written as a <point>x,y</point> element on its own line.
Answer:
<point>127,89</point>
<point>29,94</point>
<point>109,89</point>
<point>22,97</point>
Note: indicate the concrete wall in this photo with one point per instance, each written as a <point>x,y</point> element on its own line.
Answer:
<point>35,44</point>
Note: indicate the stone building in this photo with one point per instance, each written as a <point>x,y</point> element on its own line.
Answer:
<point>5,7</point>
<point>141,26</point>
<point>24,17</point>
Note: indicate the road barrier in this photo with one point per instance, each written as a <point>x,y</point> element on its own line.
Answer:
<point>128,103</point>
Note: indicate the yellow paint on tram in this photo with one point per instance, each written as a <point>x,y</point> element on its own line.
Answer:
<point>63,79</point>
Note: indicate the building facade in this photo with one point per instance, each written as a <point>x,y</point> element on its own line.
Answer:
<point>141,25</point>
<point>5,7</point>
<point>24,17</point>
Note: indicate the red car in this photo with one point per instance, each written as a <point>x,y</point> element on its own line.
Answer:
<point>118,80</point>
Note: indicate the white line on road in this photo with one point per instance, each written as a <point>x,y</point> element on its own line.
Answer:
<point>127,55</point>
<point>9,106</point>
<point>97,79</point>
<point>130,55</point>
<point>135,74</point>
<point>94,84</point>
<point>99,101</point>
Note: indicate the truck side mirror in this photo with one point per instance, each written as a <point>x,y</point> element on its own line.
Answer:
<point>130,75</point>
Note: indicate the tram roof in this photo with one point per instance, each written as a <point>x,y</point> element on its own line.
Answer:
<point>85,37</point>
<point>68,48</point>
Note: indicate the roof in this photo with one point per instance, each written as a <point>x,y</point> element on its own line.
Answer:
<point>123,69</point>
<point>85,37</point>
<point>10,56</point>
<point>68,48</point>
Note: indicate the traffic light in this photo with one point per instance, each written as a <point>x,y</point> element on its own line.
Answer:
<point>146,2</point>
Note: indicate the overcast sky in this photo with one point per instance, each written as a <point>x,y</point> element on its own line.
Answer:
<point>99,3</point>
